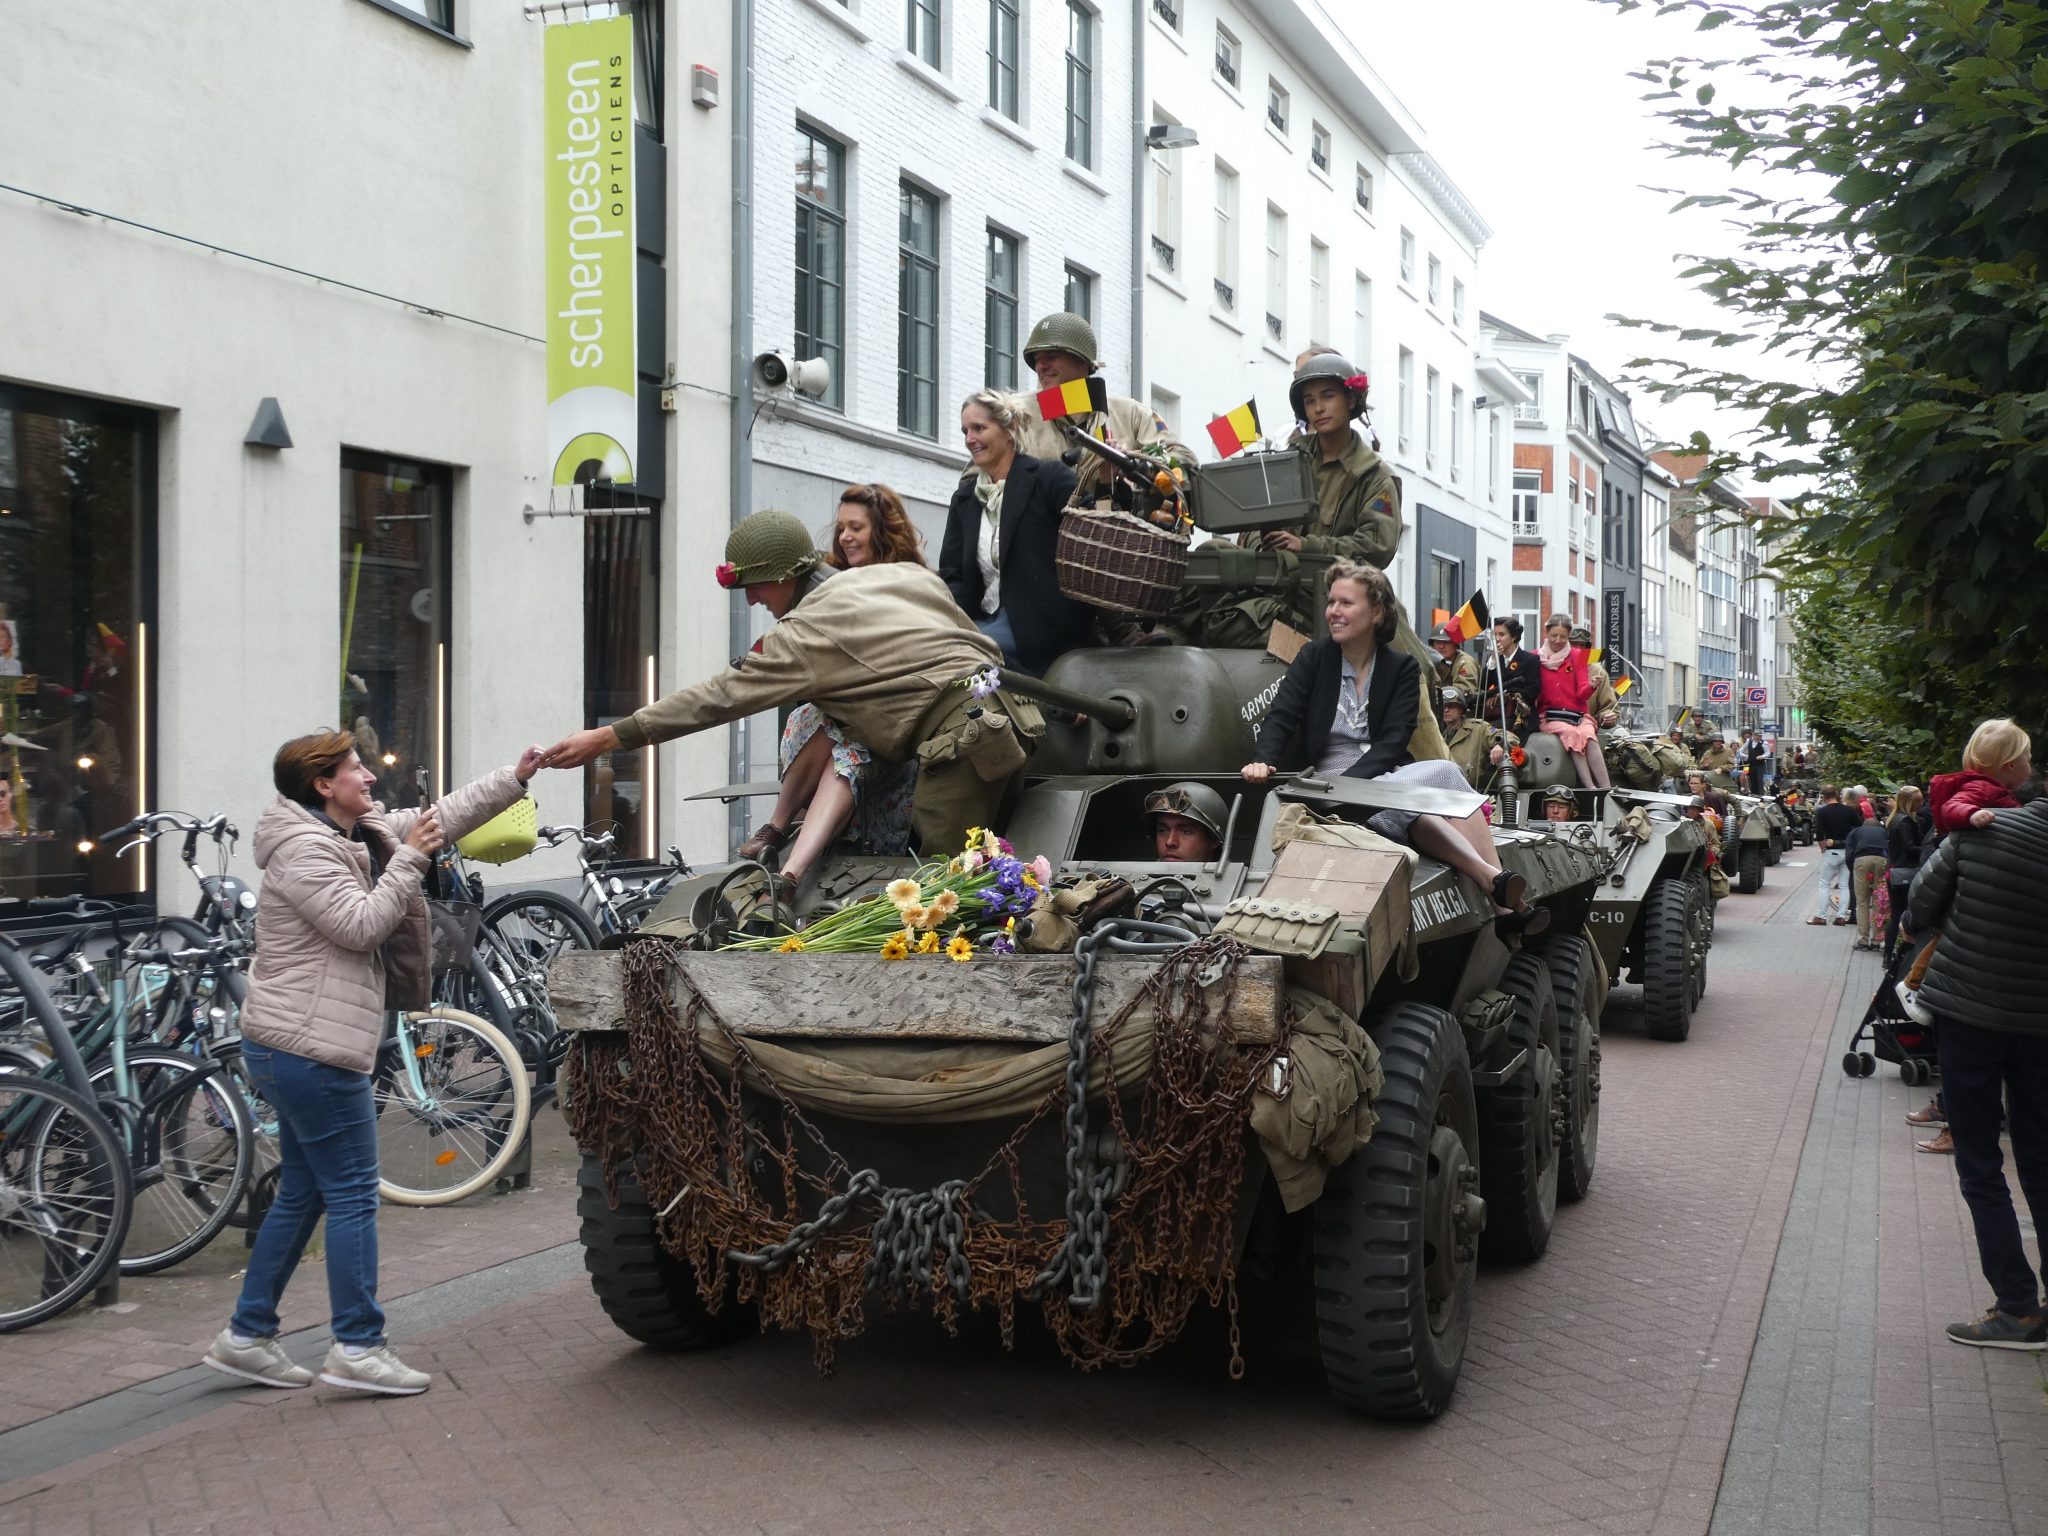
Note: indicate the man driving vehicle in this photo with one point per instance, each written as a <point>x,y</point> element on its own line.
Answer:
<point>1187,823</point>
<point>1559,804</point>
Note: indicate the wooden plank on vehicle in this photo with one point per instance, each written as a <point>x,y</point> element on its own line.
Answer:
<point>1026,999</point>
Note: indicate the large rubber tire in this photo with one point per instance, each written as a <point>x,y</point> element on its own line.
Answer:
<point>1575,984</point>
<point>1395,1230</point>
<point>648,1293</point>
<point>1749,869</point>
<point>1670,986</point>
<point>1518,1122</point>
<point>1773,850</point>
<point>1701,927</point>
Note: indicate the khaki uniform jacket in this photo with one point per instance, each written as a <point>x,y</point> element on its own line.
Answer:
<point>1604,701</point>
<point>1131,425</point>
<point>872,647</point>
<point>1716,757</point>
<point>1358,505</point>
<point>1471,748</point>
<point>1461,671</point>
<point>319,985</point>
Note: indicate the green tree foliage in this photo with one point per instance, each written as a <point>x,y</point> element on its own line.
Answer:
<point>1901,263</point>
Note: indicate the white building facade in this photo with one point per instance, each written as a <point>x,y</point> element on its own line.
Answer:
<point>1659,639</point>
<point>1310,213</point>
<point>184,590</point>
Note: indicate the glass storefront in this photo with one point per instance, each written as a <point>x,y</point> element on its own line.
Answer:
<point>395,535</point>
<point>77,541</point>
<point>620,619</point>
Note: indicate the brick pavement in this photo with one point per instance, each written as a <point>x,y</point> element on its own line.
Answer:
<point>1600,1394</point>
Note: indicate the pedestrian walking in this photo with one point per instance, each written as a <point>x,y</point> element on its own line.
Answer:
<point>1905,843</point>
<point>1832,824</point>
<point>1864,853</point>
<point>342,937</point>
<point>1983,891</point>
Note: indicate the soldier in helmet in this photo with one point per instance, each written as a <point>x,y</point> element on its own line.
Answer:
<point>1470,741</point>
<point>1604,706</point>
<point>1455,667</point>
<point>1061,349</point>
<point>1559,804</point>
<point>1187,823</point>
<point>884,651</point>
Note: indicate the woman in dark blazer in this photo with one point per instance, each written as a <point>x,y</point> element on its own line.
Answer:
<point>1001,532</point>
<point>1348,706</point>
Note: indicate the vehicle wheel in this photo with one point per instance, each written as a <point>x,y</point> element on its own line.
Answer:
<point>1772,852</point>
<point>1396,1230</point>
<point>1518,1123</point>
<point>1669,948</point>
<point>1868,1062</point>
<point>649,1293</point>
<point>1851,1067</point>
<point>1749,869</point>
<point>1575,984</point>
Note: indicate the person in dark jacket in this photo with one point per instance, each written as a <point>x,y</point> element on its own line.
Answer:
<point>1832,824</point>
<point>1514,672</point>
<point>1905,838</point>
<point>1986,984</point>
<point>1864,853</point>
<point>1347,707</point>
<point>1001,533</point>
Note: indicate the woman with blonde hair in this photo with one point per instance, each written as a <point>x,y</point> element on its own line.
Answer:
<point>1001,533</point>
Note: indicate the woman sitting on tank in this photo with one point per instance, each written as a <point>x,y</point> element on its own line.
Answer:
<point>1347,706</point>
<point>830,782</point>
<point>1564,700</point>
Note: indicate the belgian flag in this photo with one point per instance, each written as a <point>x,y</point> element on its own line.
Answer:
<point>1470,621</point>
<point>1076,397</point>
<point>1233,429</point>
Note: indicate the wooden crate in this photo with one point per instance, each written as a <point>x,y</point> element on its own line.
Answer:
<point>1368,883</point>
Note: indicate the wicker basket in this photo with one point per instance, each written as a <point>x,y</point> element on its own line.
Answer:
<point>1116,561</point>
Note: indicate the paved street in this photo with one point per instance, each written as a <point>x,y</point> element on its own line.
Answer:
<point>1738,1331</point>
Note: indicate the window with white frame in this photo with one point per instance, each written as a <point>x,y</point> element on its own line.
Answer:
<point>1457,431</point>
<point>1079,298</point>
<point>1166,406</point>
<point>1165,204</point>
<point>1408,258</point>
<point>1080,84</point>
<point>1527,605</point>
<point>1531,409</point>
<point>1492,456</point>
<point>1277,104</point>
<point>1318,293</point>
<point>1168,11</point>
<point>1276,273</point>
<point>1404,386</point>
<point>999,311</point>
<point>921,30</point>
<point>1458,303</point>
<point>1226,238</point>
<point>1528,506</point>
<point>1319,147</point>
<point>1435,290</point>
<point>1361,322</point>
<point>1229,57</point>
<point>821,254</point>
<point>1003,54</point>
<point>1432,382</point>
<point>1571,509</point>
<point>1361,190</point>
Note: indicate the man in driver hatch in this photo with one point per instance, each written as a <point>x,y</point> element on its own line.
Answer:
<point>1187,823</point>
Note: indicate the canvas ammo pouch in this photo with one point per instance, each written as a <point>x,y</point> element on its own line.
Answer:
<point>988,735</point>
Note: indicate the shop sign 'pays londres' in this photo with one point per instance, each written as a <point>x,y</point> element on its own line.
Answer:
<point>593,415</point>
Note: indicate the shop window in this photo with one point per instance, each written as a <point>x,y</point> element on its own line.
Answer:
<point>621,629</point>
<point>394,621</point>
<point>77,544</point>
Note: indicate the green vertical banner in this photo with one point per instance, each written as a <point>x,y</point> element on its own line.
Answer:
<point>593,409</point>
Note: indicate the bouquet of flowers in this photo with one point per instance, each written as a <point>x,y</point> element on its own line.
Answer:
<point>966,906</point>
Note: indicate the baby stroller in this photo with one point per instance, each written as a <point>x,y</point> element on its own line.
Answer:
<point>1888,1031</point>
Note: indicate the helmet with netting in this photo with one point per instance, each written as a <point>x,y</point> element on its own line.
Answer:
<point>770,545</point>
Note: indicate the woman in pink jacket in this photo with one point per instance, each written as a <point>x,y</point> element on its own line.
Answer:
<point>341,938</point>
<point>1565,691</point>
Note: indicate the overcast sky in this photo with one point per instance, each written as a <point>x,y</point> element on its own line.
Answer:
<point>1529,107</point>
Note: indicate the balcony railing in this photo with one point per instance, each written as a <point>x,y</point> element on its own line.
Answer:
<point>1276,117</point>
<point>1226,296</point>
<point>1273,326</point>
<point>1320,156</point>
<point>1529,410</point>
<point>1162,253</point>
<point>1167,12</point>
<point>1227,68</point>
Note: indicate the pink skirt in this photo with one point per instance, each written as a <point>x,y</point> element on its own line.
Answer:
<point>1576,737</point>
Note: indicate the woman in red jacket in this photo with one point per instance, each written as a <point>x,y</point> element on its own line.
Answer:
<point>1565,691</point>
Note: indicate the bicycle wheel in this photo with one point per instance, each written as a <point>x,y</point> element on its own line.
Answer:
<point>192,1149</point>
<point>538,925</point>
<point>475,989</point>
<point>65,1199</point>
<point>455,1132</point>
<point>264,1153</point>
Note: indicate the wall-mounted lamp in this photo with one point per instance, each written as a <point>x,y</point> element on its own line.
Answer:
<point>268,429</point>
<point>1171,136</point>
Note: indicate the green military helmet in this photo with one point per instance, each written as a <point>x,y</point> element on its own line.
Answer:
<point>1454,698</point>
<point>1198,802</point>
<point>1582,637</point>
<point>1442,635</point>
<point>1335,367</point>
<point>770,545</point>
<point>1062,332</point>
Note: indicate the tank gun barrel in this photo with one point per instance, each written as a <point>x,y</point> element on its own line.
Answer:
<point>1117,714</point>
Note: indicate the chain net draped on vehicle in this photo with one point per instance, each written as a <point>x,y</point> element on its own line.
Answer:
<point>750,1193</point>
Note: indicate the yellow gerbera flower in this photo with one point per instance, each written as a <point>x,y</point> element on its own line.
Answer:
<point>790,946</point>
<point>896,946</point>
<point>929,944</point>
<point>960,948</point>
<point>903,893</point>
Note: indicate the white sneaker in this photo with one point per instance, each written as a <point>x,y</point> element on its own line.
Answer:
<point>1917,1011</point>
<point>262,1361</point>
<point>377,1370</point>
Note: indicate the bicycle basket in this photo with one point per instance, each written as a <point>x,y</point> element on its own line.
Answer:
<point>455,926</point>
<point>511,834</point>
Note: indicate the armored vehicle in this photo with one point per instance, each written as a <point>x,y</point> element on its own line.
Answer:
<point>1314,1051</point>
<point>1749,840</point>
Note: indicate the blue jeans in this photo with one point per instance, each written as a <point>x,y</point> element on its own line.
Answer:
<point>327,1138</point>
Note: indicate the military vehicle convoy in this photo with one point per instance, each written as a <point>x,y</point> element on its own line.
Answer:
<point>1751,838</point>
<point>791,1139</point>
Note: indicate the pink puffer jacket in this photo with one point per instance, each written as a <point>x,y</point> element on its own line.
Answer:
<point>318,986</point>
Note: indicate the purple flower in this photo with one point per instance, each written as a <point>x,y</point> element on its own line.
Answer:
<point>984,683</point>
<point>1001,946</point>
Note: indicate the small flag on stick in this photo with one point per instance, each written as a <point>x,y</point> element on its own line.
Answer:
<point>1622,685</point>
<point>1470,621</point>
<point>1076,397</point>
<point>1233,429</point>
<point>1683,716</point>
